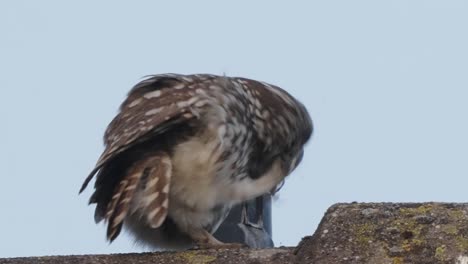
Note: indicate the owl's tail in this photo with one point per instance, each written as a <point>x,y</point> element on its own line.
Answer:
<point>144,190</point>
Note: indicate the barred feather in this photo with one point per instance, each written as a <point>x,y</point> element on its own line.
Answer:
<point>153,199</point>
<point>120,203</point>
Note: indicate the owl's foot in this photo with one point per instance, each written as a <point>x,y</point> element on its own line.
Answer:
<point>205,240</point>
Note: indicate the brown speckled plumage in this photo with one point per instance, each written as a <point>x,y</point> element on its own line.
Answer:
<point>185,148</point>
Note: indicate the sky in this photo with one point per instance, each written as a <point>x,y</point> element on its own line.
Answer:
<point>385,83</point>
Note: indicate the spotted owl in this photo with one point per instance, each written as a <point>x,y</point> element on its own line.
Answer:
<point>184,149</point>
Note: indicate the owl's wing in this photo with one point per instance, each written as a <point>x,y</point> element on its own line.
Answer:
<point>152,107</point>
<point>133,171</point>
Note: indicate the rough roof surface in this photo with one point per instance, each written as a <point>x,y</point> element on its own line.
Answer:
<point>417,233</point>
<point>377,233</point>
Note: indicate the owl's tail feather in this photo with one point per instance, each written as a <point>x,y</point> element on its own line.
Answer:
<point>118,206</point>
<point>154,201</point>
<point>143,190</point>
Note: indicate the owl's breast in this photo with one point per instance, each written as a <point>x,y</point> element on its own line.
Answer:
<point>194,170</point>
<point>206,176</point>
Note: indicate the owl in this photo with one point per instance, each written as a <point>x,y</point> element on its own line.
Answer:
<point>184,149</point>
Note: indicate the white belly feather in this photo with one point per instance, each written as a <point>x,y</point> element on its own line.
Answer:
<point>197,187</point>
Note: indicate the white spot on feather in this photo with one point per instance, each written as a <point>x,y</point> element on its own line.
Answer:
<point>166,188</point>
<point>152,182</point>
<point>186,103</point>
<point>182,104</point>
<point>153,213</point>
<point>158,223</point>
<point>154,111</point>
<point>126,200</point>
<point>131,187</point>
<point>165,204</point>
<point>151,198</point>
<point>134,102</point>
<point>118,219</point>
<point>200,91</point>
<point>152,94</point>
<point>200,103</point>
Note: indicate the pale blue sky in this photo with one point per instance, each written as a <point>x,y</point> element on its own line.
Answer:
<point>386,83</point>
